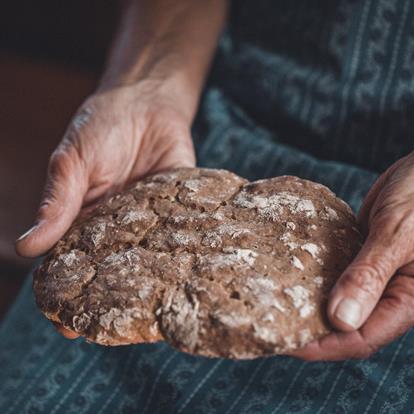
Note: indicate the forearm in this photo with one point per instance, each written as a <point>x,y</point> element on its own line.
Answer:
<point>171,42</point>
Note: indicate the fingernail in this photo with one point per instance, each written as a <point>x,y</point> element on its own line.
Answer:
<point>24,235</point>
<point>349,312</point>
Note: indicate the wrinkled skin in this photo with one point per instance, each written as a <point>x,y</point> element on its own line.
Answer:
<point>125,132</point>
<point>113,139</point>
<point>138,122</point>
<point>120,141</point>
<point>117,136</point>
<point>381,278</point>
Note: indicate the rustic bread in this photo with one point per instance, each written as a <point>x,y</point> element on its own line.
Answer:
<point>205,260</point>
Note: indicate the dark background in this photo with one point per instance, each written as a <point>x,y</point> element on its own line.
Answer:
<point>75,34</point>
<point>51,55</point>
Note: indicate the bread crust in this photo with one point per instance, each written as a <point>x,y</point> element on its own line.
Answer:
<point>205,260</point>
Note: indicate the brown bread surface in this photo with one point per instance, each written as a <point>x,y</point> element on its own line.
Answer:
<point>205,260</point>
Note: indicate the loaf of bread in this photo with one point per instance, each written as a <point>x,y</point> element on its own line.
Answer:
<point>205,260</point>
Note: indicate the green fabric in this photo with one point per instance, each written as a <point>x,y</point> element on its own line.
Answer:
<point>320,89</point>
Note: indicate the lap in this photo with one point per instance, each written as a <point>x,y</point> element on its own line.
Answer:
<point>45,373</point>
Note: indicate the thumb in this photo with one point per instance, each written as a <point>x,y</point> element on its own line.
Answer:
<point>62,199</point>
<point>362,284</point>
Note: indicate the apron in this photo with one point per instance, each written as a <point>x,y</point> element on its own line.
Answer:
<point>319,89</point>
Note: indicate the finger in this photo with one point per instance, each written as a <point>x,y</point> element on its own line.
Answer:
<point>369,200</point>
<point>393,316</point>
<point>336,346</point>
<point>371,197</point>
<point>65,187</point>
<point>360,287</point>
<point>407,269</point>
<point>67,333</point>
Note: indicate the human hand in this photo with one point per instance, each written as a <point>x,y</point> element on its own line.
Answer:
<point>117,136</point>
<point>161,55</point>
<point>373,301</point>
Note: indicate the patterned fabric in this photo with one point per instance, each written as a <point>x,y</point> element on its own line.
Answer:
<point>325,76</point>
<point>320,90</point>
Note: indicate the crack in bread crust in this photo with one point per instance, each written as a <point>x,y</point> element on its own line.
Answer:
<point>203,259</point>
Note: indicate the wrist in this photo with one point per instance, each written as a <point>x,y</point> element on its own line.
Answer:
<point>166,77</point>
<point>156,95</point>
<point>166,43</point>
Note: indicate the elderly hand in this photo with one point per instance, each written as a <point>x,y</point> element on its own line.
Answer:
<point>139,121</point>
<point>117,136</point>
<point>373,301</point>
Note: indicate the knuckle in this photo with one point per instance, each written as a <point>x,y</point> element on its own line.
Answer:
<point>58,162</point>
<point>64,160</point>
<point>400,300</point>
<point>58,157</point>
<point>368,278</point>
<point>405,219</point>
<point>393,220</point>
